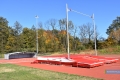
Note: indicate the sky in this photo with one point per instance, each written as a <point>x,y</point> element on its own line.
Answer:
<point>24,11</point>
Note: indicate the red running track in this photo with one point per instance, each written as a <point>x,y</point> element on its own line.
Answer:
<point>98,72</point>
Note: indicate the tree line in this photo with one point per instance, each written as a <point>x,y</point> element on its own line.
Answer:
<point>52,36</point>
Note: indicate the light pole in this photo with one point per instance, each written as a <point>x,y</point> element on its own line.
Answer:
<point>93,26</point>
<point>36,35</point>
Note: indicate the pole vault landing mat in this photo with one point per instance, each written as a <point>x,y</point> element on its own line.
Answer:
<point>87,61</point>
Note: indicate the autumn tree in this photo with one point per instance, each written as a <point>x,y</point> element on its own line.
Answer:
<point>52,23</point>
<point>63,28</point>
<point>11,41</point>
<point>3,33</point>
<point>114,30</point>
<point>27,39</point>
<point>116,35</point>
<point>41,38</point>
<point>33,34</point>
<point>62,35</point>
<point>50,38</point>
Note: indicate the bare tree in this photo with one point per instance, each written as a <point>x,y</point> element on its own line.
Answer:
<point>40,25</point>
<point>70,25</point>
<point>86,32</point>
<point>62,24</point>
<point>90,31</point>
<point>83,33</point>
<point>74,34</point>
<point>52,23</point>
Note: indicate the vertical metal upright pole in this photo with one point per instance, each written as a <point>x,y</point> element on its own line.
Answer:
<point>67,32</point>
<point>94,34</point>
<point>36,35</point>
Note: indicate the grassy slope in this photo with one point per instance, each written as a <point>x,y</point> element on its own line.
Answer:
<point>113,50</point>
<point>110,50</point>
<point>14,72</point>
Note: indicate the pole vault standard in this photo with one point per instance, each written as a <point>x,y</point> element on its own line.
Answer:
<point>67,10</point>
<point>67,32</point>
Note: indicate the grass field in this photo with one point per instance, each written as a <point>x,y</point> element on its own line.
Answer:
<point>15,72</point>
